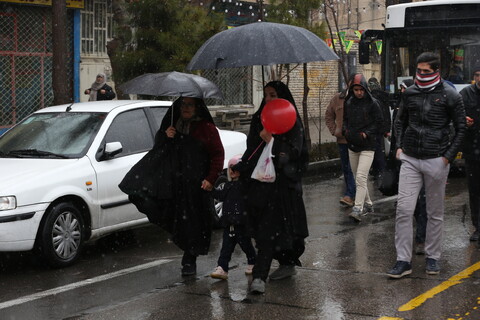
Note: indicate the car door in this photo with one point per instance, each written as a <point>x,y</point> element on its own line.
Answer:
<point>133,130</point>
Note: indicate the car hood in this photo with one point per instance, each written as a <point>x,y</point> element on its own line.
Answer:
<point>25,178</point>
<point>15,170</point>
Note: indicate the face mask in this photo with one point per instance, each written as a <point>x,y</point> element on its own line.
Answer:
<point>427,81</point>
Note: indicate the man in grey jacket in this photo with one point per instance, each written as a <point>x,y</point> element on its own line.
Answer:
<point>426,149</point>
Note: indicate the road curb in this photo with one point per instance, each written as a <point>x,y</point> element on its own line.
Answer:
<point>322,167</point>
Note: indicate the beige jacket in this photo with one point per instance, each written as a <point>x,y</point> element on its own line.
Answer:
<point>334,117</point>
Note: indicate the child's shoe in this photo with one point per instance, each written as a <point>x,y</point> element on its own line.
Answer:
<point>219,273</point>
<point>249,269</point>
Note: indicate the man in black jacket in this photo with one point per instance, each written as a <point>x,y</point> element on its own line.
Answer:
<point>471,148</point>
<point>426,149</point>
<point>362,119</point>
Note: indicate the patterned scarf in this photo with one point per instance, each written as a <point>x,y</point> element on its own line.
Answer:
<point>427,81</point>
<point>97,86</point>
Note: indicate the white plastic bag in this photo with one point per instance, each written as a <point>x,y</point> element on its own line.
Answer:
<point>265,170</point>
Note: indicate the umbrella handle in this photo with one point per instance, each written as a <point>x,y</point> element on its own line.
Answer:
<point>171,116</point>
<point>173,106</point>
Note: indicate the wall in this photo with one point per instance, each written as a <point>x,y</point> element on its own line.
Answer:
<point>322,80</point>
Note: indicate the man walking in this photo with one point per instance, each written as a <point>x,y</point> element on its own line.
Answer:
<point>362,119</point>
<point>424,146</point>
<point>471,148</point>
<point>334,122</point>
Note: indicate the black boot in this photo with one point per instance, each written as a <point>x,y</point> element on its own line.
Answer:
<point>189,264</point>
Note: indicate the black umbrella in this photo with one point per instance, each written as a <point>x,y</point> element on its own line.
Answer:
<point>172,84</point>
<point>260,43</point>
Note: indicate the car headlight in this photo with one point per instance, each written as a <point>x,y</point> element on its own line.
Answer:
<point>8,203</point>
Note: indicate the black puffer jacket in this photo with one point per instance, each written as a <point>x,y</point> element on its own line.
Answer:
<point>361,115</point>
<point>422,125</point>
<point>234,211</point>
<point>471,99</point>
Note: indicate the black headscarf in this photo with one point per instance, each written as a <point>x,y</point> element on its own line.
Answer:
<point>201,112</point>
<point>254,140</point>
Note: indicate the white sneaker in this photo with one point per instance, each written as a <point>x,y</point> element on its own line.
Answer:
<point>355,214</point>
<point>219,273</point>
<point>249,269</point>
<point>257,286</point>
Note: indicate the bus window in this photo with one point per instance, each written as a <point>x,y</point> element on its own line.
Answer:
<point>459,49</point>
<point>451,29</point>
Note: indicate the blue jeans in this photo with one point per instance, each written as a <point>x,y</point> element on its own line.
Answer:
<point>230,240</point>
<point>347,171</point>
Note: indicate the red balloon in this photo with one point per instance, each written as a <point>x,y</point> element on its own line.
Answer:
<point>278,116</point>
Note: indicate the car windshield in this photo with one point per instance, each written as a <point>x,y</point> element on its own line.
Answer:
<point>52,135</point>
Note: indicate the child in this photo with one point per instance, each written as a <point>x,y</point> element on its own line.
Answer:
<point>234,222</point>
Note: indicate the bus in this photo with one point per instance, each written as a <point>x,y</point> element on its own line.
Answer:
<point>449,28</point>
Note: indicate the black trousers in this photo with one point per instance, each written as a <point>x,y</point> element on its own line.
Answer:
<point>238,234</point>
<point>421,218</point>
<point>189,259</point>
<point>266,253</point>
<point>473,178</point>
<point>379,162</point>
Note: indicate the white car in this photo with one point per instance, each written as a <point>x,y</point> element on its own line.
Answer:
<point>60,169</point>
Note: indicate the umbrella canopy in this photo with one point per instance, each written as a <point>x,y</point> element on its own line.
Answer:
<point>172,84</point>
<point>260,43</point>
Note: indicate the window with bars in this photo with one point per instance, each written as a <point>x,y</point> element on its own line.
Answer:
<point>97,24</point>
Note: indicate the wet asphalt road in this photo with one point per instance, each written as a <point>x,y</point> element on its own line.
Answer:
<point>136,274</point>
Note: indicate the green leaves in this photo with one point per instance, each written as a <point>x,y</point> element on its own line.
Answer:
<point>167,33</point>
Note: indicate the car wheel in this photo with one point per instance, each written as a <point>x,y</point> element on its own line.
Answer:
<point>61,237</point>
<point>218,205</point>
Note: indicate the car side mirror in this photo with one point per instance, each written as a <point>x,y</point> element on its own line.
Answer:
<point>112,149</point>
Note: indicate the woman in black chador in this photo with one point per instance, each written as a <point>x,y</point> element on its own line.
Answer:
<point>172,184</point>
<point>276,212</point>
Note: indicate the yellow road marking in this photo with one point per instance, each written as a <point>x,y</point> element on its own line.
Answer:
<point>456,279</point>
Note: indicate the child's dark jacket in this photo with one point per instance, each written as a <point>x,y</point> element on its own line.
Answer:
<point>234,205</point>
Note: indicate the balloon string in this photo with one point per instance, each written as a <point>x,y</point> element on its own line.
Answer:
<point>255,150</point>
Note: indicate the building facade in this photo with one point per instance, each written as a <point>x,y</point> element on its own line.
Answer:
<point>26,53</point>
<point>95,32</point>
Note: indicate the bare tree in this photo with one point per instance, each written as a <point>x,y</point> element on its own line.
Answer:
<point>330,11</point>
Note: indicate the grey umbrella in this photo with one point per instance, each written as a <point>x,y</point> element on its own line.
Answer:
<point>172,84</point>
<point>260,43</point>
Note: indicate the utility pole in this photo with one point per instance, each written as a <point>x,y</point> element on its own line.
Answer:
<point>59,47</point>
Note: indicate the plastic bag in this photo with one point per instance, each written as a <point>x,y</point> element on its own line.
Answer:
<point>265,170</point>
